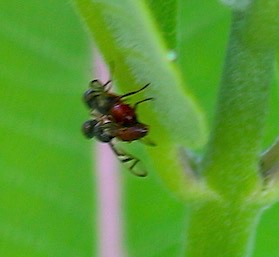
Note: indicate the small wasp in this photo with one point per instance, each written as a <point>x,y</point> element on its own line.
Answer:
<point>105,131</point>
<point>114,119</point>
<point>100,99</point>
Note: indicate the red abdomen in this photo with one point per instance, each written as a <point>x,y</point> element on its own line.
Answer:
<point>132,133</point>
<point>123,114</point>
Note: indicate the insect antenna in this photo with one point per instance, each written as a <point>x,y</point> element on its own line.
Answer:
<point>142,101</point>
<point>135,92</point>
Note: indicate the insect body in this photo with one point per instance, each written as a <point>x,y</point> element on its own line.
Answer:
<point>105,131</point>
<point>123,114</point>
<point>114,119</point>
<point>99,98</point>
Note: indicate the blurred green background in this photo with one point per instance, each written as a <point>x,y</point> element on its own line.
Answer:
<point>47,189</point>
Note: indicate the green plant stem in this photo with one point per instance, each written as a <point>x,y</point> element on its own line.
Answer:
<point>220,229</point>
<point>231,160</point>
<point>225,227</point>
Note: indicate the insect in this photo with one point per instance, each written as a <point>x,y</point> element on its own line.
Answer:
<point>98,98</point>
<point>105,131</point>
<point>114,119</point>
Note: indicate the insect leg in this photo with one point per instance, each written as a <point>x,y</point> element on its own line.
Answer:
<point>127,158</point>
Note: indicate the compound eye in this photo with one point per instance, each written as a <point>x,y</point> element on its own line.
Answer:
<point>90,98</point>
<point>105,132</point>
<point>88,128</point>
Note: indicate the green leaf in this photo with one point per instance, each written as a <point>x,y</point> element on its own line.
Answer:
<point>203,35</point>
<point>165,13</point>
<point>157,222</point>
<point>262,24</point>
<point>239,5</point>
<point>128,39</point>
<point>45,179</point>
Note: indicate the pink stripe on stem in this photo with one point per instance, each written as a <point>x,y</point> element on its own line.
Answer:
<point>109,195</point>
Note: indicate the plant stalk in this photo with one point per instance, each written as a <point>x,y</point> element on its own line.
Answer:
<point>231,162</point>
<point>226,227</point>
<point>221,230</point>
